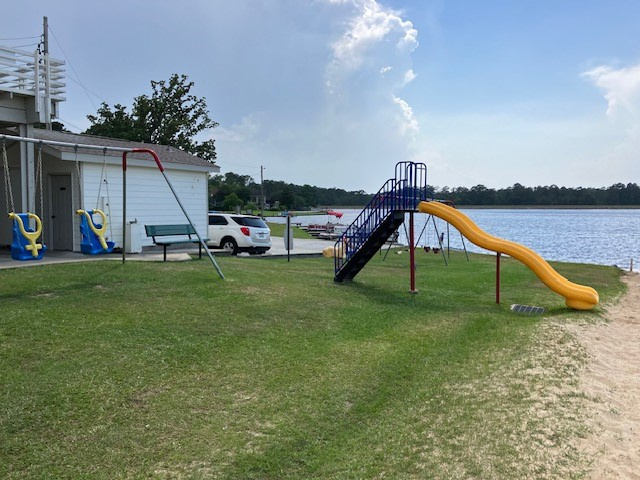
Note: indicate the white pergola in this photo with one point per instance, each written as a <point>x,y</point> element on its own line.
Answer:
<point>32,85</point>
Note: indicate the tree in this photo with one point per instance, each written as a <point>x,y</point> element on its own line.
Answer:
<point>116,123</point>
<point>232,201</point>
<point>171,116</point>
<point>287,198</point>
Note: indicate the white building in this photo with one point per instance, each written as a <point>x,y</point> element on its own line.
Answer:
<point>31,87</point>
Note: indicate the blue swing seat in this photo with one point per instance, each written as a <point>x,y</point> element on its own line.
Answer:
<point>92,244</point>
<point>22,248</point>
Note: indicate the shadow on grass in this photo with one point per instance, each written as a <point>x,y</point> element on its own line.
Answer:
<point>326,438</point>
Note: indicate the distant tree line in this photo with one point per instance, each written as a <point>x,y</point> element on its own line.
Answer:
<point>616,194</point>
<point>231,190</point>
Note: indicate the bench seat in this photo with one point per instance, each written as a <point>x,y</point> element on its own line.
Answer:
<point>187,230</point>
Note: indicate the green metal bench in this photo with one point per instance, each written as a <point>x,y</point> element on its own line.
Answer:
<point>154,231</point>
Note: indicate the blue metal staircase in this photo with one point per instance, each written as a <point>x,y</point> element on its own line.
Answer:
<point>380,218</point>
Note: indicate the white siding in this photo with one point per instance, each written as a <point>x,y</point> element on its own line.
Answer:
<point>149,198</point>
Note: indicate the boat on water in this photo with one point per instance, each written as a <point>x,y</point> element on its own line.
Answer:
<point>330,230</point>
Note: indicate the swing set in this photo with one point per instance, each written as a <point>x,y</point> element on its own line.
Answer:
<point>440,237</point>
<point>93,234</point>
<point>25,245</point>
<point>440,248</point>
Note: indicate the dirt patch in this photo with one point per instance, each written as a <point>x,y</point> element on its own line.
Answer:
<point>612,379</point>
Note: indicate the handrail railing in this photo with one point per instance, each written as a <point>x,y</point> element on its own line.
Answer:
<point>402,193</point>
<point>382,203</point>
<point>35,75</point>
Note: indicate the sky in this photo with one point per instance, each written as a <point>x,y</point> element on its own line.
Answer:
<point>333,93</point>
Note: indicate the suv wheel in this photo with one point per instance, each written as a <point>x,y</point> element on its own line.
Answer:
<point>230,245</point>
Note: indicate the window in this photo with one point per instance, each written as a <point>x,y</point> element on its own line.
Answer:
<point>217,220</point>
<point>250,222</point>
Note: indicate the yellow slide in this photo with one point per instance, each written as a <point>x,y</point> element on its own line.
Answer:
<point>577,296</point>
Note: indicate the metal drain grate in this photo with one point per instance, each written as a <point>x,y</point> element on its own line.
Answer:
<point>527,309</point>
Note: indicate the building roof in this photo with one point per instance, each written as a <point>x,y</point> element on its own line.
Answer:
<point>166,153</point>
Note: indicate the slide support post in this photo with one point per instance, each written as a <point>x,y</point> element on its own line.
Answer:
<point>412,254</point>
<point>498,277</point>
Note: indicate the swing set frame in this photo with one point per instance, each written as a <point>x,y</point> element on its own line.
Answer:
<point>124,152</point>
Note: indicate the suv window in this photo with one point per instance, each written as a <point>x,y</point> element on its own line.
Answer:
<point>250,222</point>
<point>217,220</point>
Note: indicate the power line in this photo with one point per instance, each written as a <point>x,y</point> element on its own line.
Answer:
<point>19,38</point>
<point>70,124</point>
<point>27,45</point>
<point>91,92</point>
<point>237,164</point>
<point>74,70</point>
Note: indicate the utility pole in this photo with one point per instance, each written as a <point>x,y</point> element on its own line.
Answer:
<point>45,34</point>
<point>261,191</point>
<point>47,97</point>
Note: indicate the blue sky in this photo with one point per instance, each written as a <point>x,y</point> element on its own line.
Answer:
<point>335,92</point>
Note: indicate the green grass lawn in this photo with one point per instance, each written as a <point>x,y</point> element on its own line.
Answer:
<point>162,370</point>
<point>277,230</point>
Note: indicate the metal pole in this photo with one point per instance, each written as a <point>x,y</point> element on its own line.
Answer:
<point>465,247</point>
<point>261,191</point>
<point>498,277</point>
<point>47,75</point>
<point>64,144</point>
<point>161,168</point>
<point>288,236</point>
<point>423,229</point>
<point>412,254</point>
<point>124,205</point>
<point>448,244</point>
<point>45,35</point>
<point>444,257</point>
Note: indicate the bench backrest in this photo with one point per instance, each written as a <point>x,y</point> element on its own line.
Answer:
<point>169,230</point>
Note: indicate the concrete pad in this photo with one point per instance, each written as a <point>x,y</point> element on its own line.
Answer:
<point>157,257</point>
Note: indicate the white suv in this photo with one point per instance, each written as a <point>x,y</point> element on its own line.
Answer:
<point>238,233</point>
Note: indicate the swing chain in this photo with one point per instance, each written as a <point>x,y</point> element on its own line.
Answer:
<point>106,182</point>
<point>8,193</point>
<point>102,176</point>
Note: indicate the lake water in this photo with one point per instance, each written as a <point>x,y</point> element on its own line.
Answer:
<point>604,237</point>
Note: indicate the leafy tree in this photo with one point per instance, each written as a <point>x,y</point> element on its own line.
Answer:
<point>172,115</point>
<point>116,123</point>
<point>232,201</point>
<point>287,197</point>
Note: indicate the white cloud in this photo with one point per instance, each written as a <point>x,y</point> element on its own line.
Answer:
<point>621,87</point>
<point>367,29</point>
<point>371,63</point>
<point>248,128</point>
<point>361,123</point>
<point>408,122</point>
<point>409,76</point>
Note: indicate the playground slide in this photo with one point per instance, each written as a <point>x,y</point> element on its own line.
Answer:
<point>578,297</point>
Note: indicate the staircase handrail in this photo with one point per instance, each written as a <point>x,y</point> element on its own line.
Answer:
<point>386,196</point>
<point>403,192</point>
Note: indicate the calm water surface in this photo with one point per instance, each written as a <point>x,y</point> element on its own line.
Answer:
<point>604,237</point>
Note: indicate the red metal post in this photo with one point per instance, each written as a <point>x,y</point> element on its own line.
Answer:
<point>412,256</point>
<point>498,277</point>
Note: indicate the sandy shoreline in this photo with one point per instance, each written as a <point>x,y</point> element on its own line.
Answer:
<point>612,380</point>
